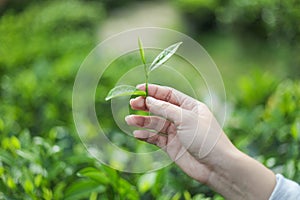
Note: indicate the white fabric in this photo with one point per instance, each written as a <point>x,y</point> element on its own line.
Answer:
<point>285,189</point>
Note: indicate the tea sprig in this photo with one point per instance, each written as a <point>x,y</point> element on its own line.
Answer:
<point>128,90</point>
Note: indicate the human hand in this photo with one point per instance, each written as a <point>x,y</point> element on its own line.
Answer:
<point>188,132</point>
<point>192,121</point>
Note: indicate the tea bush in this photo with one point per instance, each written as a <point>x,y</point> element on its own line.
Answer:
<point>275,23</point>
<point>41,50</point>
<point>270,129</point>
<point>262,18</point>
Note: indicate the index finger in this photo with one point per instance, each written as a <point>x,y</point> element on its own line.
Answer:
<point>170,95</point>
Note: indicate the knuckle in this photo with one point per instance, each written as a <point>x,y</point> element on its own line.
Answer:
<point>169,94</point>
<point>146,122</point>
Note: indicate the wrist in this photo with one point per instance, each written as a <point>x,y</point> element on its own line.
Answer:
<point>222,153</point>
<point>235,175</point>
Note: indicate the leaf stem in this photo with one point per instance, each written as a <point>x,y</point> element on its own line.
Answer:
<point>146,79</point>
<point>142,53</point>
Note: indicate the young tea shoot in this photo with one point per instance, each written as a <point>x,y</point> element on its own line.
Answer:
<point>128,90</point>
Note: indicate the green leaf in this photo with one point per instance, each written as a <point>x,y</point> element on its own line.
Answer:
<point>6,158</point>
<point>142,51</point>
<point>164,56</point>
<point>124,90</point>
<point>176,196</point>
<point>82,189</point>
<point>127,190</point>
<point>10,183</point>
<point>94,174</point>
<point>15,142</point>
<point>93,196</point>
<point>47,193</point>
<point>28,186</point>
<point>295,129</point>
<point>146,182</point>
<point>187,195</point>
<point>27,155</point>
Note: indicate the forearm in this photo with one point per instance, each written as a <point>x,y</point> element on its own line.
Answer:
<point>238,176</point>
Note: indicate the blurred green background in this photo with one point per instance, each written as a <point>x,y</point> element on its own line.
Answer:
<point>255,44</point>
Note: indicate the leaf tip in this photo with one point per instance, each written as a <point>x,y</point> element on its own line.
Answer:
<point>140,43</point>
<point>142,53</point>
<point>178,44</point>
<point>164,56</point>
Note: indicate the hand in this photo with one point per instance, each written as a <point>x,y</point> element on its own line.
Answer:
<point>191,136</point>
<point>190,132</point>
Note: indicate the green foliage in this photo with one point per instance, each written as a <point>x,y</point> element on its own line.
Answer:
<point>269,130</point>
<point>265,18</point>
<point>41,50</point>
<point>33,167</point>
<point>146,182</point>
<point>272,22</point>
<point>105,182</point>
<point>40,53</point>
<point>256,88</point>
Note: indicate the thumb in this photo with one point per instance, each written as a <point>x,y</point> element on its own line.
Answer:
<point>164,109</point>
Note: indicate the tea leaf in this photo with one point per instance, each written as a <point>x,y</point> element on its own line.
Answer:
<point>94,174</point>
<point>146,182</point>
<point>164,56</point>
<point>82,189</point>
<point>124,90</point>
<point>142,51</point>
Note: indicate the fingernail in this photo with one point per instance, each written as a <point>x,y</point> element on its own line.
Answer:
<point>127,118</point>
<point>130,101</point>
<point>150,100</point>
<point>139,85</point>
